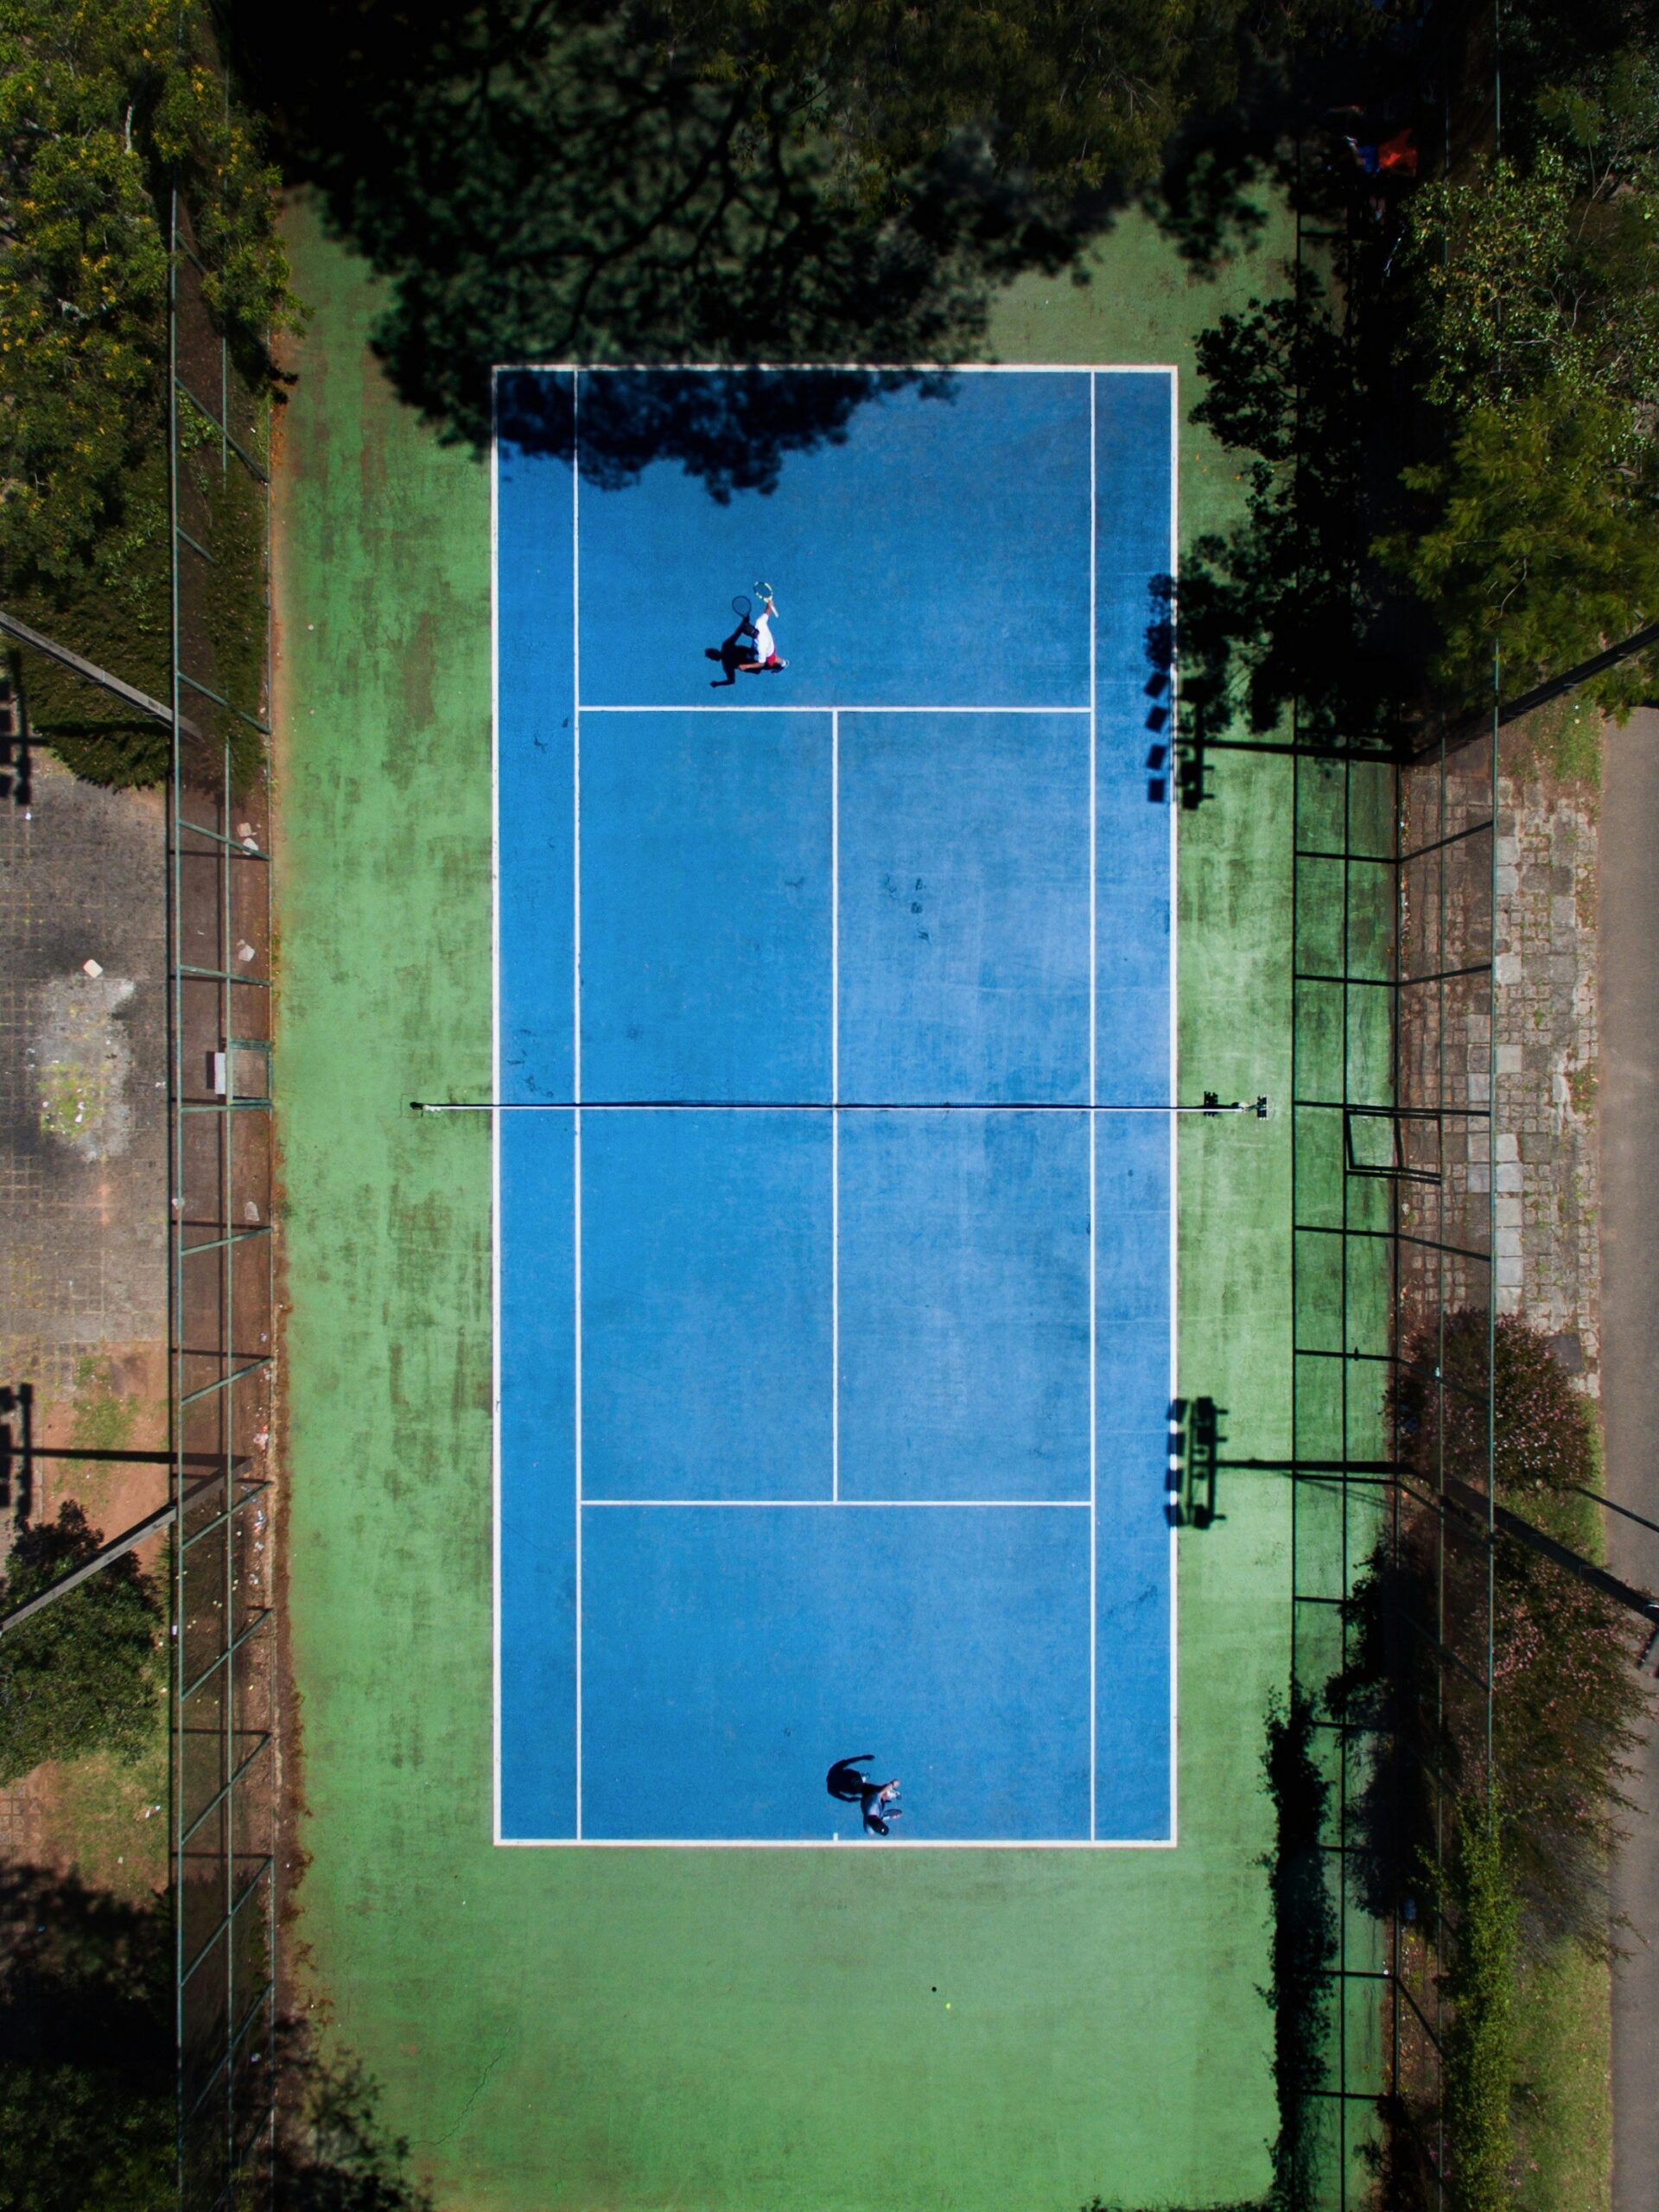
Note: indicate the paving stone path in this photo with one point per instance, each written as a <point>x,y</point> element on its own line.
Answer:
<point>83,1133</point>
<point>1548,1202</point>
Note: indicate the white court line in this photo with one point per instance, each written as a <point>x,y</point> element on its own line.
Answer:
<point>842,1504</point>
<point>717,1843</point>
<point>495,1133</point>
<point>1093,971</point>
<point>671,707</point>
<point>575,1027</point>
<point>799,1843</point>
<point>834,1117</point>
<point>579,369</point>
<point>1174,1126</point>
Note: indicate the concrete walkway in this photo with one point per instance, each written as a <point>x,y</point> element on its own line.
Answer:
<point>1630,1136</point>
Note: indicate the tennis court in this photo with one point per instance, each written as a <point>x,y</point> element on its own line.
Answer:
<point>833,1216</point>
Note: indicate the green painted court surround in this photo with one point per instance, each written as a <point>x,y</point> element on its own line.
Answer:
<point>705,2029</point>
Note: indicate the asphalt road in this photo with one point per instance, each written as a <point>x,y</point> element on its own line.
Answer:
<point>1630,1167</point>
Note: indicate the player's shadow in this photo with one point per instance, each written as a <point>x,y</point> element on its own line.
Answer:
<point>731,428</point>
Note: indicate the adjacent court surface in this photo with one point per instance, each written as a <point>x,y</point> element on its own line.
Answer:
<point>834,1248</point>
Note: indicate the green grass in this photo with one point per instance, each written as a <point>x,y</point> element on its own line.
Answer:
<point>110,1817</point>
<point>1561,2018</point>
<point>743,2032</point>
<point>1563,2028</point>
<point>1561,742</point>
<point>104,1418</point>
<point>73,1099</point>
<point>1564,2107</point>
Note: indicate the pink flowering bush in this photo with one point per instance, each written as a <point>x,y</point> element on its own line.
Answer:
<point>1567,1699</point>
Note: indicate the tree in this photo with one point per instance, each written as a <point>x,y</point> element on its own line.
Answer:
<point>88,2058</point>
<point>101,102</point>
<point>1535,333</point>
<point>1071,94</point>
<point>82,1674</point>
<point>717,180</point>
<point>1545,541</point>
<point>76,2137</point>
<point>1285,611</point>
<point>1568,1702</point>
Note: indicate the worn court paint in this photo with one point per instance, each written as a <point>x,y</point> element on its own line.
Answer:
<point>963,908</point>
<point>907,574</point>
<point>706,902</point>
<point>667,2030</point>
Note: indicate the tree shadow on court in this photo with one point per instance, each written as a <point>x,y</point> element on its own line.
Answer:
<point>1212,199</point>
<point>732,428</point>
<point>1241,2204</point>
<point>1221,171</point>
<point>1302,1958</point>
<point>1386,1693</point>
<point>88,2060</point>
<point>702,181</point>
<point>334,2153</point>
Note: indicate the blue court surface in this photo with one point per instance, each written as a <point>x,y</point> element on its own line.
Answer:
<point>834,1280</point>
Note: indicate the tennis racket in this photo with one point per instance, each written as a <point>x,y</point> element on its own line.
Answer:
<point>763,592</point>
<point>740,607</point>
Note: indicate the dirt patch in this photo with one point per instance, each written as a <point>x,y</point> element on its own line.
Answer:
<point>117,1405</point>
<point>83,1077</point>
<point>106,1821</point>
<point>82,1059</point>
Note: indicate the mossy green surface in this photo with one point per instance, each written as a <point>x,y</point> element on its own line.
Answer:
<point>848,2033</point>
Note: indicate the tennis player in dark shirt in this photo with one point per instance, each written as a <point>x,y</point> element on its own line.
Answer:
<point>877,1801</point>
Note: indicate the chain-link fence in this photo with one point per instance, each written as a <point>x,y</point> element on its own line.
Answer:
<point>221,1279</point>
<point>1394,1171</point>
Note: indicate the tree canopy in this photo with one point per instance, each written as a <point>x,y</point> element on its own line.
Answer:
<point>101,102</point>
<point>1448,434</point>
<point>82,1674</point>
<point>1535,329</point>
<point>719,180</point>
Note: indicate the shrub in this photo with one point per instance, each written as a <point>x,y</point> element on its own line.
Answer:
<point>82,1674</point>
<point>1304,1944</point>
<point>1479,2065</point>
<point>88,2058</point>
<point>77,2137</point>
<point>1567,1698</point>
<point>106,104</point>
<point>1385,1693</point>
<point>1304,1948</point>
